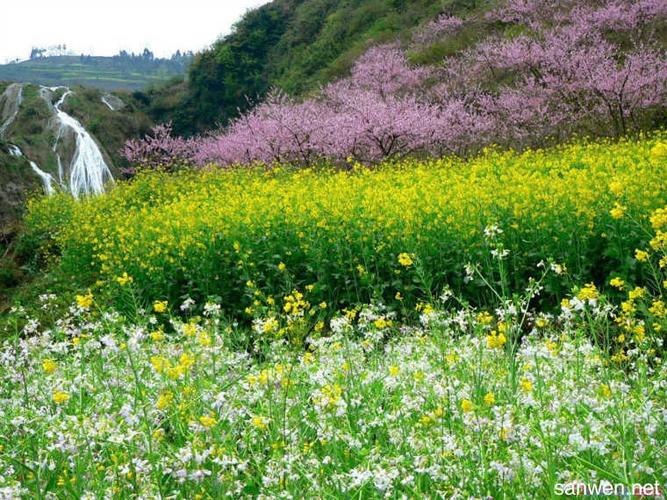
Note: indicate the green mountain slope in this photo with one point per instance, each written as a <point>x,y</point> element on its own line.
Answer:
<point>34,131</point>
<point>292,44</point>
<point>121,72</point>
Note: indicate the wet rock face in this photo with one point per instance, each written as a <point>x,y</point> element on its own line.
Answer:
<point>112,102</point>
<point>10,102</point>
<point>58,138</point>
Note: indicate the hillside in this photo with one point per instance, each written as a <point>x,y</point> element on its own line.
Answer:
<point>295,45</point>
<point>120,72</point>
<point>32,129</point>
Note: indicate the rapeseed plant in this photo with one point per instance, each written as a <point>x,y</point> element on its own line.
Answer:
<point>96,405</point>
<point>396,234</point>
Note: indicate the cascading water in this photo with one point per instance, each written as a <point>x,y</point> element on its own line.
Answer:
<point>88,171</point>
<point>13,97</point>
<point>47,179</point>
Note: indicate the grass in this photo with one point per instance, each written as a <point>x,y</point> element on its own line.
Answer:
<point>105,73</point>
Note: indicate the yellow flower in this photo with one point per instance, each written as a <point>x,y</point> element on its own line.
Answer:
<point>190,329</point>
<point>160,306</point>
<point>60,397</point>
<point>394,371</point>
<point>260,422</point>
<point>618,211</point>
<point>659,152</point>
<point>641,255</point>
<point>616,187</point>
<point>405,260</point>
<point>617,283</point>
<point>270,325</point>
<point>484,318</point>
<point>157,335</point>
<point>426,420</point>
<point>124,279</point>
<point>186,360</point>
<point>658,309</point>
<point>526,384</point>
<point>159,363</point>
<point>381,323</point>
<point>588,292</point>
<point>551,346</point>
<point>467,406</point>
<point>49,366</point>
<point>85,301</point>
<point>628,306</point>
<point>489,399</point>
<point>495,340</point>
<point>207,421</point>
<point>282,267</point>
<point>204,339</point>
<point>659,219</point>
<point>398,296</point>
<point>164,400</point>
<point>605,390</point>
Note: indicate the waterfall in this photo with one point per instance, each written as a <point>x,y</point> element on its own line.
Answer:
<point>47,179</point>
<point>13,97</point>
<point>87,171</point>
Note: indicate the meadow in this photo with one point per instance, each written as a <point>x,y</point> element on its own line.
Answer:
<point>426,328</point>
<point>465,402</point>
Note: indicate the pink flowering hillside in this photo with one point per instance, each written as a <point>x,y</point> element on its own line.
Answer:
<point>543,72</point>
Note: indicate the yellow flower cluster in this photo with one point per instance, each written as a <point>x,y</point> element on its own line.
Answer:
<point>174,371</point>
<point>214,229</point>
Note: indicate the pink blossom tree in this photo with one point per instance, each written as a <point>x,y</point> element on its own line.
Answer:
<point>563,75</point>
<point>160,148</point>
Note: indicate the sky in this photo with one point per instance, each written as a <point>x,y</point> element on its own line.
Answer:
<point>105,28</point>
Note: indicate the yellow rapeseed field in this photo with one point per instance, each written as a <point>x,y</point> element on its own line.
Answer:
<point>208,233</point>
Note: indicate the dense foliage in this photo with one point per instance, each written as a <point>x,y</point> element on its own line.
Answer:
<point>210,233</point>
